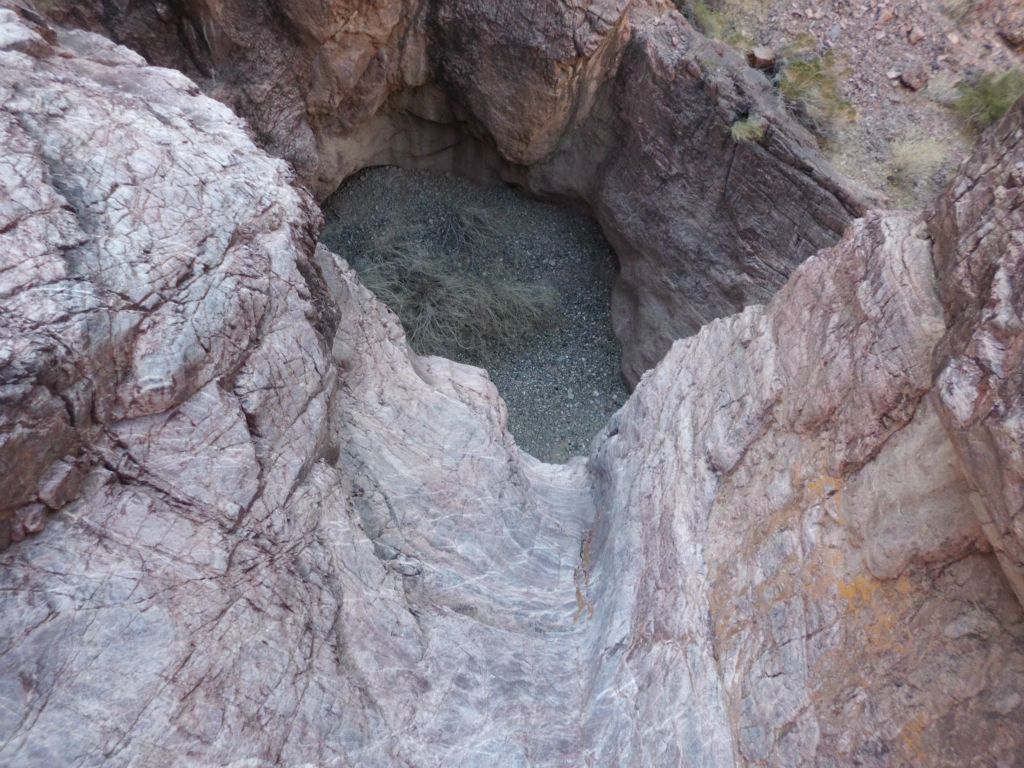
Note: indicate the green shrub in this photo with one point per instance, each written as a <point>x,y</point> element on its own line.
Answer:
<point>811,88</point>
<point>749,131</point>
<point>983,101</point>
<point>450,291</point>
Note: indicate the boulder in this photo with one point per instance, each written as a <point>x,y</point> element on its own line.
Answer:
<point>914,76</point>
<point>762,57</point>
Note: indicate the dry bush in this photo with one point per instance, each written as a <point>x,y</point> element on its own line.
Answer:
<point>810,86</point>
<point>711,23</point>
<point>915,168</point>
<point>957,10</point>
<point>448,288</point>
<point>717,18</point>
<point>749,131</point>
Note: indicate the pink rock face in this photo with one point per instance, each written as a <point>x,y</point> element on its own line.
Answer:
<point>979,252</point>
<point>284,539</point>
<point>784,539</point>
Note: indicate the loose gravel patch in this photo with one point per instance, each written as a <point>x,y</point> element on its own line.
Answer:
<point>563,382</point>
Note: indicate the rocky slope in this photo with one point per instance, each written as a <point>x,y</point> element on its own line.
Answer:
<point>898,64</point>
<point>251,528</point>
<point>619,106</point>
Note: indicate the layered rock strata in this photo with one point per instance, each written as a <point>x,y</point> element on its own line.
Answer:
<point>979,254</point>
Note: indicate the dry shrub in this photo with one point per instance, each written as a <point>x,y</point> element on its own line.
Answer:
<point>749,131</point>
<point>957,10</point>
<point>811,88</point>
<point>717,19</point>
<point>449,289</point>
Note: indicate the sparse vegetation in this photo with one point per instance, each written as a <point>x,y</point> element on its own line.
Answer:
<point>749,131</point>
<point>984,100</point>
<point>915,165</point>
<point>452,295</point>
<point>810,85</point>
<point>710,22</point>
<point>715,21</point>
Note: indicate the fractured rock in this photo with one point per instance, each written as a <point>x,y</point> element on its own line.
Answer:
<point>297,542</point>
<point>979,251</point>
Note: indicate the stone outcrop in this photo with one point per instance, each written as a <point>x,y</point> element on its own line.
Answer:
<point>979,253</point>
<point>619,106</point>
<point>278,537</point>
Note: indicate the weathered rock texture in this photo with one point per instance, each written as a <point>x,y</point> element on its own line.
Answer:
<point>620,106</point>
<point>283,539</point>
<point>979,253</point>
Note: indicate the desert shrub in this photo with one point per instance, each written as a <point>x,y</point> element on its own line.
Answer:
<point>914,167</point>
<point>749,131</point>
<point>983,100</point>
<point>718,21</point>
<point>810,86</point>
<point>448,288</point>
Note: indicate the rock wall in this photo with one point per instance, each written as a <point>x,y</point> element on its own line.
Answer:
<point>280,538</point>
<point>621,107</point>
<point>979,253</point>
<point>787,544</point>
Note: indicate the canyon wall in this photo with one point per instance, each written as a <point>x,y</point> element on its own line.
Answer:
<point>978,230</point>
<point>621,107</point>
<point>249,526</point>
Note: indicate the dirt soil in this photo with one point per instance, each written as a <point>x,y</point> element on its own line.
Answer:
<point>875,42</point>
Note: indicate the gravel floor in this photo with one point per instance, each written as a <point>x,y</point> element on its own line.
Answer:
<point>563,383</point>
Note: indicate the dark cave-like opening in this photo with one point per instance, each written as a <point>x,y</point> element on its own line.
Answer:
<point>489,276</point>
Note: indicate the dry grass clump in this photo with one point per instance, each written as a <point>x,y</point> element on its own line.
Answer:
<point>448,288</point>
<point>957,10</point>
<point>711,23</point>
<point>983,100</point>
<point>717,18</point>
<point>915,167</point>
<point>810,86</point>
<point>749,131</point>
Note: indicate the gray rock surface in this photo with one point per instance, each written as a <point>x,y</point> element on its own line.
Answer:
<point>284,539</point>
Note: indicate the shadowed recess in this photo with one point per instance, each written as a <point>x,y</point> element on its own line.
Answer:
<point>485,275</point>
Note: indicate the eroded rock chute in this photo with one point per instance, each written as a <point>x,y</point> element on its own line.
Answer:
<point>310,545</point>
